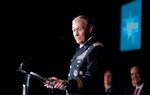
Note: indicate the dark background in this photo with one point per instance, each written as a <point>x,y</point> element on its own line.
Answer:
<point>39,34</point>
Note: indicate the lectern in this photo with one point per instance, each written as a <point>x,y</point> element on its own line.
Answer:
<point>25,86</point>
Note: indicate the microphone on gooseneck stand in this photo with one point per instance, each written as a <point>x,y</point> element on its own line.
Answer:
<point>20,68</point>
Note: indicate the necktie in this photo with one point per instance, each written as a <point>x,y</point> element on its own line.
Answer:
<point>136,91</point>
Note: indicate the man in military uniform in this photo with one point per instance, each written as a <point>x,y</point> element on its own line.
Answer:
<point>86,69</point>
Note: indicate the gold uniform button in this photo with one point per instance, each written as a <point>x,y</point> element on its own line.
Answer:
<point>80,72</point>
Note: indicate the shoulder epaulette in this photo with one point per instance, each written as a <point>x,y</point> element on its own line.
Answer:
<point>98,43</point>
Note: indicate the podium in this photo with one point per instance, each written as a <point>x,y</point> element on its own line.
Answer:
<point>25,86</point>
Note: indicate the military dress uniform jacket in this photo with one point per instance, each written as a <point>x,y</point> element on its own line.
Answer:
<point>86,70</point>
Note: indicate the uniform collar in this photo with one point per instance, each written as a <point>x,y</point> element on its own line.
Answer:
<point>85,42</point>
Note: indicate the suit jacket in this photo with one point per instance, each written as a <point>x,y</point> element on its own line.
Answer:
<point>86,70</point>
<point>144,91</point>
<point>114,90</point>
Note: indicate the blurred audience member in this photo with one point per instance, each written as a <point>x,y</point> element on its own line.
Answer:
<point>111,87</point>
<point>139,85</point>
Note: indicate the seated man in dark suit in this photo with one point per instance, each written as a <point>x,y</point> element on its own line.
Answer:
<point>139,84</point>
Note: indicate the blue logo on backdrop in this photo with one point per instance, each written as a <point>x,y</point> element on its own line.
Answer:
<point>131,26</point>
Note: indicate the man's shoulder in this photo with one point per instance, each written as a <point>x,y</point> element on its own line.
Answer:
<point>96,47</point>
<point>95,44</point>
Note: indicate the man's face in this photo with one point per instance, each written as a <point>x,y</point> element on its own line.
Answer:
<point>80,31</point>
<point>135,76</point>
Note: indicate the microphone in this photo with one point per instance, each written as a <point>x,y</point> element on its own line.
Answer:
<point>20,67</point>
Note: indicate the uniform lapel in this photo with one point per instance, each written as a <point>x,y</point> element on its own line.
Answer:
<point>82,49</point>
<point>79,52</point>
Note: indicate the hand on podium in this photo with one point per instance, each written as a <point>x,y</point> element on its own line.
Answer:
<point>56,83</point>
